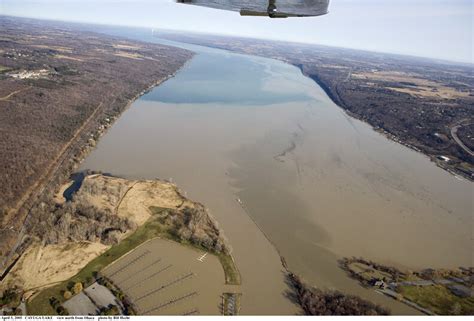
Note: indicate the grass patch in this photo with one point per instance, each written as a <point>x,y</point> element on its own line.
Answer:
<point>232,275</point>
<point>154,227</point>
<point>3,69</point>
<point>10,298</point>
<point>438,299</point>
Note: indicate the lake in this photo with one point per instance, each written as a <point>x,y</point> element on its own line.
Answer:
<point>286,172</point>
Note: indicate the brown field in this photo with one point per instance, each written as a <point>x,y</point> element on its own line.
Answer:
<point>130,55</point>
<point>413,85</point>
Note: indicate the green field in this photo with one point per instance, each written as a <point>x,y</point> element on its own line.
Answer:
<point>3,69</point>
<point>153,228</point>
<point>438,299</point>
<point>232,275</point>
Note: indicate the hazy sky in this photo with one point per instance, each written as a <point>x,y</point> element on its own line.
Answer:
<point>431,28</point>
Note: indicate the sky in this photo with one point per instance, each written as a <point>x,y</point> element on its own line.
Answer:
<point>441,29</point>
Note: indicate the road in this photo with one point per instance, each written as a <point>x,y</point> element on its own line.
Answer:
<point>454,134</point>
<point>22,307</point>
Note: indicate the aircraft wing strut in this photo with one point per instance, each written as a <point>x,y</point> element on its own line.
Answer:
<point>267,8</point>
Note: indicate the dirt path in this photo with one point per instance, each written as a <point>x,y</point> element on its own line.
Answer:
<point>121,199</point>
<point>5,98</point>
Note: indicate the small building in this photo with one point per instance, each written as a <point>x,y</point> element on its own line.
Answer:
<point>378,283</point>
<point>460,290</point>
<point>444,158</point>
<point>456,279</point>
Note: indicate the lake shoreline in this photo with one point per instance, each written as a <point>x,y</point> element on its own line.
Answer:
<point>332,93</point>
<point>206,158</point>
<point>338,102</point>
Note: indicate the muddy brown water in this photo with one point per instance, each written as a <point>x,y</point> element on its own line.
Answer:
<point>285,171</point>
<point>165,278</point>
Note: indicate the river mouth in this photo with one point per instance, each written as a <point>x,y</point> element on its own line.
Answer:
<point>253,137</point>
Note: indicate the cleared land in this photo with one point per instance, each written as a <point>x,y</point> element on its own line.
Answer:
<point>60,88</point>
<point>414,101</point>
<point>42,266</point>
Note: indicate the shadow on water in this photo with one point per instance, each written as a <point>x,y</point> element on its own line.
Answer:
<point>77,179</point>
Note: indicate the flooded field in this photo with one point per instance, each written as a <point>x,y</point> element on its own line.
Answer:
<point>165,278</point>
<point>286,172</point>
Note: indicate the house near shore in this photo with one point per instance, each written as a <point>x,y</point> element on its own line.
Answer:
<point>460,290</point>
<point>381,284</point>
<point>444,158</point>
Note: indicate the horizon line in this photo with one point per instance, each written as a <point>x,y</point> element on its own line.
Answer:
<point>439,60</point>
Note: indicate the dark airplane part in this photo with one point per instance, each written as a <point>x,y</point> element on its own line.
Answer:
<point>267,8</point>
